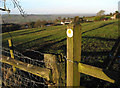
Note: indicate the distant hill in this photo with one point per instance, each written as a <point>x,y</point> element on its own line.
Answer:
<point>14,18</point>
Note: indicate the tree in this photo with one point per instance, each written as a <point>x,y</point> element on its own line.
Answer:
<point>59,18</point>
<point>111,14</point>
<point>78,20</point>
<point>37,24</point>
<point>15,3</point>
<point>64,19</point>
<point>68,18</point>
<point>117,15</point>
<point>98,18</point>
<point>100,13</point>
<point>116,12</point>
<point>31,24</point>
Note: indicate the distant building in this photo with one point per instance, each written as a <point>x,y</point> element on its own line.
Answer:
<point>66,22</point>
<point>115,16</point>
<point>62,23</point>
<point>26,26</point>
<point>112,17</point>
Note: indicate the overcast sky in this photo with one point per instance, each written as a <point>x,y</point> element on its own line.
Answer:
<point>65,6</point>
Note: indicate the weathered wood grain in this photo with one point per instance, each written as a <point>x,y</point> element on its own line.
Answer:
<point>38,71</point>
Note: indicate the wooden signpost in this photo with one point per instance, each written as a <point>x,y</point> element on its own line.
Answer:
<point>74,67</point>
<point>73,54</point>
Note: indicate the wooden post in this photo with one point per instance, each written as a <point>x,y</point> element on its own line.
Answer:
<point>11,52</point>
<point>98,72</point>
<point>73,54</point>
<point>51,63</point>
<point>11,46</point>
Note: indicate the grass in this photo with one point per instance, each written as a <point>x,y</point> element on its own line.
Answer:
<point>96,37</point>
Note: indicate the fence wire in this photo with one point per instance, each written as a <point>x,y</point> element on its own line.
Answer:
<point>21,78</point>
<point>23,58</point>
<point>27,79</point>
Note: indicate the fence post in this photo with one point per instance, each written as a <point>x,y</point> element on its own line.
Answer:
<point>11,46</point>
<point>11,51</point>
<point>51,63</point>
<point>73,53</point>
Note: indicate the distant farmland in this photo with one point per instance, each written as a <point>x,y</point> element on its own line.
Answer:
<point>31,17</point>
<point>98,38</point>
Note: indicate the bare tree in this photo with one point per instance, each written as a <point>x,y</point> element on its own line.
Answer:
<point>16,4</point>
<point>4,9</point>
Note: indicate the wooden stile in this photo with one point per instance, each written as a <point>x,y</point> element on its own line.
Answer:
<point>38,71</point>
<point>95,72</point>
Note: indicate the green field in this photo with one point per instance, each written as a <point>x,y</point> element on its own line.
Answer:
<point>96,37</point>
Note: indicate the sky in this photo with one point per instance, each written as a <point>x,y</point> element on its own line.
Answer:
<point>65,6</point>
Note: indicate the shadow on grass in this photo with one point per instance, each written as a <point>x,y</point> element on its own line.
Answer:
<point>49,44</point>
<point>98,27</point>
<point>104,39</point>
<point>104,53</point>
<point>34,40</point>
<point>84,53</point>
<point>113,75</point>
<point>33,32</point>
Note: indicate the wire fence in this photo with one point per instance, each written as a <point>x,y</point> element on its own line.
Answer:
<point>21,78</point>
<point>23,58</point>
